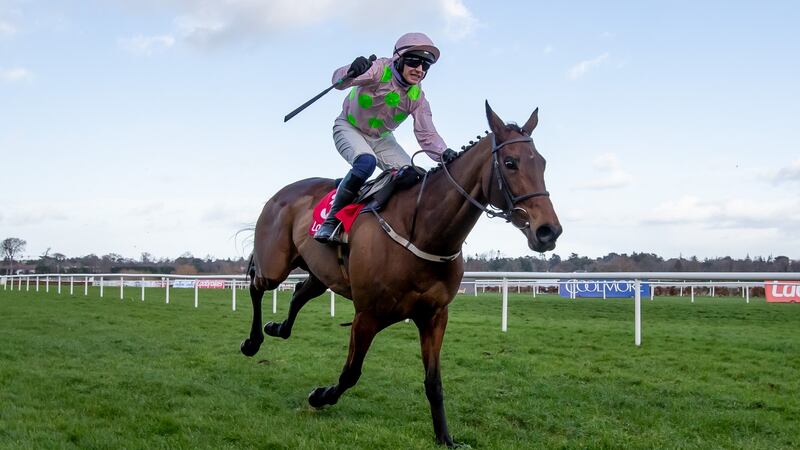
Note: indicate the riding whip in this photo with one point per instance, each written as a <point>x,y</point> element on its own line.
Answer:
<point>317,97</point>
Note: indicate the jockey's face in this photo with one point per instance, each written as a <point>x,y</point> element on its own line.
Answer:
<point>413,74</point>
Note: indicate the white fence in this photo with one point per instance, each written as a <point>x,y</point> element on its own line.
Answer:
<point>683,280</point>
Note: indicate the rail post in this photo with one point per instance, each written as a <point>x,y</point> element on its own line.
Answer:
<point>504,319</point>
<point>233,294</point>
<point>638,313</point>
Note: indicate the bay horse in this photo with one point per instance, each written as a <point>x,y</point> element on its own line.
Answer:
<point>386,283</point>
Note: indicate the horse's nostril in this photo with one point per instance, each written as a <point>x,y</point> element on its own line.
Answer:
<point>547,233</point>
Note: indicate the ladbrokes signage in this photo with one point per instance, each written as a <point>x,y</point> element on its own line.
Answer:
<point>600,288</point>
<point>782,291</point>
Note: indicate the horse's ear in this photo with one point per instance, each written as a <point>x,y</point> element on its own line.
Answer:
<point>496,124</point>
<point>530,125</point>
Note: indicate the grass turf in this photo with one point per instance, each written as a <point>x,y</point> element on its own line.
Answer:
<point>84,372</point>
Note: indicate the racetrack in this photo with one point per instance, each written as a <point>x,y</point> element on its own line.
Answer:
<point>85,372</point>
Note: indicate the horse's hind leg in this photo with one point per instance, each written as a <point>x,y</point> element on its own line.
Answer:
<point>363,331</point>
<point>251,345</point>
<point>258,285</point>
<point>303,292</point>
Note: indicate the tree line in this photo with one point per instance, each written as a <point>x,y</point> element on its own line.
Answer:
<point>635,262</point>
<point>188,264</point>
<point>55,262</point>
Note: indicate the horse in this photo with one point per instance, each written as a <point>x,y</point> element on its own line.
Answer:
<point>386,283</point>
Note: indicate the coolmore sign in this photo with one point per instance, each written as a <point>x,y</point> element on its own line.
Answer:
<point>600,288</point>
<point>782,291</point>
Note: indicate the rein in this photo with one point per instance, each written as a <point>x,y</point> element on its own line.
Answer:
<point>511,213</point>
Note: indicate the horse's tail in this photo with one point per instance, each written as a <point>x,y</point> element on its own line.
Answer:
<point>251,268</point>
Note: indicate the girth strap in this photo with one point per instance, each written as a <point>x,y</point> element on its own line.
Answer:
<point>409,246</point>
<point>340,258</point>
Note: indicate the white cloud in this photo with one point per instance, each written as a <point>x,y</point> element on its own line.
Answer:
<point>548,49</point>
<point>731,213</point>
<point>210,24</point>
<point>788,174</point>
<point>147,45</point>
<point>7,28</point>
<point>580,69</point>
<point>458,19</point>
<point>33,215</point>
<point>15,74</point>
<point>611,174</point>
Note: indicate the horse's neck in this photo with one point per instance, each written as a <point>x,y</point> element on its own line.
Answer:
<point>445,217</point>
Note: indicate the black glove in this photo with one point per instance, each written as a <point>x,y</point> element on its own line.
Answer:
<point>358,67</point>
<point>448,155</point>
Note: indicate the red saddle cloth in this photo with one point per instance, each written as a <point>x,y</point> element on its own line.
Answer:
<point>347,214</point>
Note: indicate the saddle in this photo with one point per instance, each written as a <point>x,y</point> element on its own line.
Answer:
<point>373,196</point>
<point>388,182</point>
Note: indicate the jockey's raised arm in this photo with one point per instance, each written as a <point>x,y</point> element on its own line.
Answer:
<point>382,94</point>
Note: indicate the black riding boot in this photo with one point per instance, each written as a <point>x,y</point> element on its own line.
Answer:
<point>345,194</point>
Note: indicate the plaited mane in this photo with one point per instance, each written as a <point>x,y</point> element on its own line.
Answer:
<point>465,148</point>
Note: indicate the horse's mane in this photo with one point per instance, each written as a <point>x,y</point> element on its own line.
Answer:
<point>511,126</point>
<point>464,149</point>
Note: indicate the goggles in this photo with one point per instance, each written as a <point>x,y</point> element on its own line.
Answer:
<point>416,61</point>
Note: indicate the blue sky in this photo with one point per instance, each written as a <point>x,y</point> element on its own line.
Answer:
<point>156,126</point>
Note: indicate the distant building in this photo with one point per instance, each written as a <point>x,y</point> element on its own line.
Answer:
<point>24,269</point>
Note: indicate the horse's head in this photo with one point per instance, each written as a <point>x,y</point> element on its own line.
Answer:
<point>516,183</point>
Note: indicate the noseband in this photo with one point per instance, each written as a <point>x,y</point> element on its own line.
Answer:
<point>511,213</point>
<point>511,210</point>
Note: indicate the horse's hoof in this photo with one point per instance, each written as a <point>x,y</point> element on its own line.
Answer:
<point>249,347</point>
<point>317,397</point>
<point>276,329</point>
<point>450,443</point>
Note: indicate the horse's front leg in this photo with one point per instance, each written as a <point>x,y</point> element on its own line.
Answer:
<point>431,335</point>
<point>362,332</point>
<point>303,292</point>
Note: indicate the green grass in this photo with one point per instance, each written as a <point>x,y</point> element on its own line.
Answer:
<point>84,372</point>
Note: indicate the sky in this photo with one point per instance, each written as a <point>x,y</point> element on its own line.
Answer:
<point>669,127</point>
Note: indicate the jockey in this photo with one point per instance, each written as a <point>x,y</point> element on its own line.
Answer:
<point>384,93</point>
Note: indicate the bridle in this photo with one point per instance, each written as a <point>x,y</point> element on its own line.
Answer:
<point>511,213</point>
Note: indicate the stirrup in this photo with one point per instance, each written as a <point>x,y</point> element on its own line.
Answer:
<point>326,238</point>
<point>336,237</point>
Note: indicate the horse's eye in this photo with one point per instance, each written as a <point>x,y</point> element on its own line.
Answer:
<point>510,163</point>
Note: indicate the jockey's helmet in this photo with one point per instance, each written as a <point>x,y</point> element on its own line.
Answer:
<point>418,44</point>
